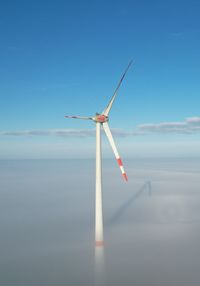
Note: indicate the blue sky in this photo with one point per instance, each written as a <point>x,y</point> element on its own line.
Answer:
<point>66,57</point>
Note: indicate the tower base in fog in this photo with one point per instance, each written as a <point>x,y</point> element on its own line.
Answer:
<point>99,243</point>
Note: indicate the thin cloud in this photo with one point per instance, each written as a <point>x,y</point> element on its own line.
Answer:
<point>61,133</point>
<point>51,132</point>
<point>189,126</point>
<point>193,120</point>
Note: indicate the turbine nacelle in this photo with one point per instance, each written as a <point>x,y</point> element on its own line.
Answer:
<point>101,118</point>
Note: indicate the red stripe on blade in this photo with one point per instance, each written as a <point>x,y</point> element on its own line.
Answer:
<point>119,161</point>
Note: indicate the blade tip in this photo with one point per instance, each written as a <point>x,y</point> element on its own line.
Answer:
<point>125,177</point>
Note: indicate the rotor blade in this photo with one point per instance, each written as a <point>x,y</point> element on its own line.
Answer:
<point>79,117</point>
<point>107,110</point>
<point>112,143</point>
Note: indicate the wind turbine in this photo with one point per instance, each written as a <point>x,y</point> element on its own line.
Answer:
<point>102,120</point>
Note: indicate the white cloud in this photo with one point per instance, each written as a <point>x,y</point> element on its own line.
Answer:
<point>51,132</point>
<point>61,132</point>
<point>193,120</point>
<point>189,126</point>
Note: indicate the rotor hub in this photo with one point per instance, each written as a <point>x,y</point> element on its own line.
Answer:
<point>100,118</point>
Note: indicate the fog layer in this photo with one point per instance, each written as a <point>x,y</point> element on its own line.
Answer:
<point>152,223</point>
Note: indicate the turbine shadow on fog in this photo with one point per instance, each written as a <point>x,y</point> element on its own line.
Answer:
<point>123,208</point>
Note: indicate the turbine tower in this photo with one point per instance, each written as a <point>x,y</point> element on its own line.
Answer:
<point>101,120</point>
